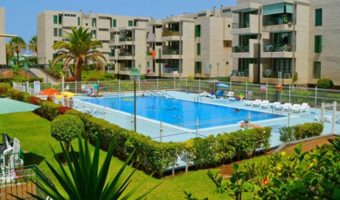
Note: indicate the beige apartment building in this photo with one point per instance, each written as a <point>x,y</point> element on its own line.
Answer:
<point>2,40</point>
<point>197,45</point>
<point>275,40</point>
<point>51,25</point>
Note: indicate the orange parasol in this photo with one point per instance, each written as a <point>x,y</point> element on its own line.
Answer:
<point>50,92</point>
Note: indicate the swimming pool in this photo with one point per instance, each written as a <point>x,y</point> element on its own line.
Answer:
<point>181,112</point>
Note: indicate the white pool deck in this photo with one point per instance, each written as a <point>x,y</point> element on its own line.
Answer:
<point>172,133</point>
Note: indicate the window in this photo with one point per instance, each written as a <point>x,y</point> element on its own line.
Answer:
<point>114,22</point>
<point>94,34</point>
<point>60,20</point>
<point>318,17</point>
<point>130,23</point>
<point>60,32</point>
<point>198,49</point>
<point>135,23</point>
<point>317,70</point>
<point>198,67</point>
<point>78,21</point>
<point>318,44</point>
<point>55,32</point>
<point>55,19</point>
<point>198,31</point>
<point>94,22</point>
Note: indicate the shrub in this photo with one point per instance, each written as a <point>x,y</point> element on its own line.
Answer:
<point>308,130</point>
<point>34,100</point>
<point>48,110</point>
<point>65,128</point>
<point>109,76</point>
<point>325,83</point>
<point>63,109</point>
<point>4,89</point>
<point>301,131</point>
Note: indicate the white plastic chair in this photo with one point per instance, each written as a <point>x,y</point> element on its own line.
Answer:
<point>286,106</point>
<point>296,108</point>
<point>256,103</point>
<point>265,104</point>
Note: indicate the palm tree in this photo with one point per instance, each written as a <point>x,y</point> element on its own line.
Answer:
<point>78,49</point>
<point>33,46</point>
<point>86,178</point>
<point>9,53</point>
<point>18,44</point>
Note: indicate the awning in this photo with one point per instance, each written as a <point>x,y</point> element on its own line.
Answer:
<point>222,85</point>
<point>12,106</point>
<point>278,8</point>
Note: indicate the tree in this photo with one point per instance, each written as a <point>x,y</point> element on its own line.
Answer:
<point>78,48</point>
<point>33,46</point>
<point>9,53</point>
<point>18,44</point>
<point>88,177</point>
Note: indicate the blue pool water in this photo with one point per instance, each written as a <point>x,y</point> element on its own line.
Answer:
<point>180,112</point>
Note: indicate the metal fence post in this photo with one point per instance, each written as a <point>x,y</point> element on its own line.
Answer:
<point>139,85</point>
<point>246,95</point>
<point>197,124</point>
<point>75,86</point>
<point>322,112</point>
<point>266,91</point>
<point>316,96</point>
<point>132,122</point>
<point>334,117</point>
<point>27,87</point>
<point>289,93</point>
<point>161,132</point>
<point>118,86</point>
<point>231,85</point>
<point>157,83</point>
<point>174,82</point>
<point>199,85</point>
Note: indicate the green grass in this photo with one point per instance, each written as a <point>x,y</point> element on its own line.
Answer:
<point>34,135</point>
<point>96,74</point>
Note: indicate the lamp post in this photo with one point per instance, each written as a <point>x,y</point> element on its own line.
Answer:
<point>134,75</point>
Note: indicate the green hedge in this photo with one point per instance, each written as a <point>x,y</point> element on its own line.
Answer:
<point>325,83</point>
<point>301,131</point>
<point>156,157</point>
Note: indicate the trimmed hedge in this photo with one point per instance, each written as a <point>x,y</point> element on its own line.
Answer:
<point>301,131</point>
<point>325,83</point>
<point>156,157</point>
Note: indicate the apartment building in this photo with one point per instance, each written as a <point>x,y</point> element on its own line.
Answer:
<point>324,40</point>
<point>2,40</point>
<point>197,45</point>
<point>277,41</point>
<point>51,25</point>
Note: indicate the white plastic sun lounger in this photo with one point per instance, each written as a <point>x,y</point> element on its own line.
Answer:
<point>296,108</point>
<point>265,104</point>
<point>286,106</point>
<point>256,103</point>
<point>248,103</point>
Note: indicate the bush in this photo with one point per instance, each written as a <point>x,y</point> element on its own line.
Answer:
<point>301,131</point>
<point>48,110</point>
<point>70,79</point>
<point>308,130</point>
<point>65,128</point>
<point>34,100</point>
<point>325,83</point>
<point>4,89</point>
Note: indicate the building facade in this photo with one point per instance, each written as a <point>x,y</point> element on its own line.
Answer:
<point>2,39</point>
<point>197,45</point>
<point>285,41</point>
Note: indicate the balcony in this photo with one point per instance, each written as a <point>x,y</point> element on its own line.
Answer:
<point>246,27</point>
<point>126,54</point>
<point>125,39</point>
<point>272,77</point>
<point>166,51</point>
<point>240,49</point>
<point>277,51</point>
<point>246,51</point>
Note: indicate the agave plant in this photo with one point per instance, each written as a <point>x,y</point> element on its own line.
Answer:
<point>83,177</point>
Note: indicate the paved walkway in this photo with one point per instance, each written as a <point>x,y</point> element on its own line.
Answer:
<point>41,74</point>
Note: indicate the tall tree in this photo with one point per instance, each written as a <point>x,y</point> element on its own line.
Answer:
<point>18,44</point>
<point>9,53</point>
<point>33,46</point>
<point>78,49</point>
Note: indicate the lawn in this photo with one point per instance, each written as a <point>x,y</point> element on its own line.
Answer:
<point>92,75</point>
<point>33,133</point>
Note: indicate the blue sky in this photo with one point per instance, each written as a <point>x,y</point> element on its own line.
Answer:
<point>21,14</point>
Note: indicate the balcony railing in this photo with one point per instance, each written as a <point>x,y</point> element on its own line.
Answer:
<point>240,49</point>
<point>170,69</point>
<point>170,52</point>
<point>277,21</point>
<point>126,53</point>
<point>125,68</point>
<point>240,73</point>
<point>167,33</point>
<point>268,73</point>
<point>241,25</point>
<point>124,39</point>
<point>277,48</point>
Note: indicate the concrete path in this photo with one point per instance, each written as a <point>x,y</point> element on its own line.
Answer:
<point>41,74</point>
